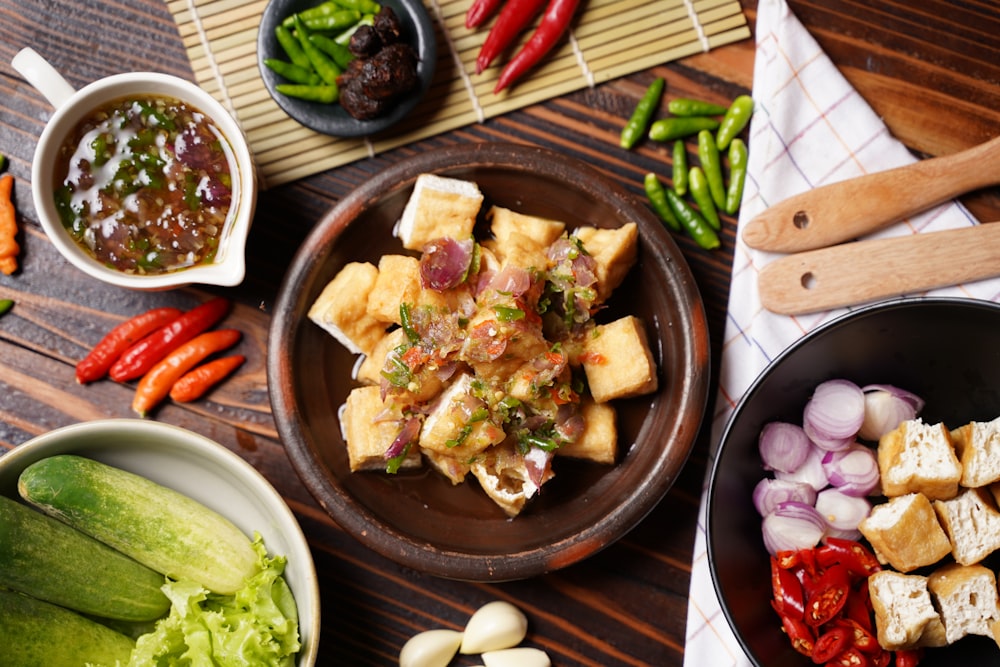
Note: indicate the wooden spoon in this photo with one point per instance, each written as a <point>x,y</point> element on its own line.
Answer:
<point>848,209</point>
<point>863,271</point>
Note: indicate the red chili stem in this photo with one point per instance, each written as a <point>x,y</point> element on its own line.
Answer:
<point>479,11</point>
<point>145,354</point>
<point>195,383</point>
<point>558,16</point>
<point>514,17</point>
<point>100,359</point>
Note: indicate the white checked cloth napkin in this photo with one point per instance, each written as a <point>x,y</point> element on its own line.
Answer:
<point>810,127</point>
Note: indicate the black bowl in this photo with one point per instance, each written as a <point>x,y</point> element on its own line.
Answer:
<point>945,350</point>
<point>420,519</point>
<point>333,119</point>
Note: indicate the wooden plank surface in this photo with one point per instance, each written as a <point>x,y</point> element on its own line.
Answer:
<point>931,68</point>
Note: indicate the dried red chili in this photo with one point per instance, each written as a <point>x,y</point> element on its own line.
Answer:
<point>558,15</point>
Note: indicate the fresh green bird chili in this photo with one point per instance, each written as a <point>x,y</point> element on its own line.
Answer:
<point>291,46</point>
<point>668,129</point>
<point>686,106</point>
<point>5,305</point>
<point>711,164</point>
<point>637,125</point>
<point>657,196</point>
<point>340,53</point>
<point>703,197</point>
<point>736,118</point>
<point>680,167</point>
<point>327,94</point>
<point>292,72</point>
<point>738,157</point>
<point>321,63</point>
<point>692,221</point>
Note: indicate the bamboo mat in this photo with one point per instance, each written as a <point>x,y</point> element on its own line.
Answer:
<point>610,39</point>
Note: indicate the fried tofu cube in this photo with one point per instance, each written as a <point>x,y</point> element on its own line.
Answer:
<point>599,440</point>
<point>342,308</point>
<point>542,231</point>
<point>522,251</point>
<point>368,435</point>
<point>397,282</point>
<point>507,476</point>
<point>614,250</point>
<point>370,368</point>
<point>618,362</point>
<point>905,532</point>
<point>972,522</point>
<point>919,457</point>
<point>438,207</point>
<point>977,445</point>
<point>453,470</point>
<point>452,428</point>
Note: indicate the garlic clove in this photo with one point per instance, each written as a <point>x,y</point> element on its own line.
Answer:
<point>516,657</point>
<point>432,648</point>
<point>496,625</point>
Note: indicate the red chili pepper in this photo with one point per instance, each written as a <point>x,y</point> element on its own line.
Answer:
<point>96,364</point>
<point>788,595</point>
<point>801,635</point>
<point>859,606</point>
<point>558,16</point>
<point>851,657</point>
<point>881,659</point>
<point>910,658</point>
<point>156,384</point>
<point>479,11</point>
<point>831,644</point>
<point>514,17</point>
<point>858,559</point>
<point>142,356</point>
<point>861,637</point>
<point>828,596</point>
<point>195,383</point>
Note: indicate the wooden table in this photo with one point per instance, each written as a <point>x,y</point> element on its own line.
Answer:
<point>929,67</point>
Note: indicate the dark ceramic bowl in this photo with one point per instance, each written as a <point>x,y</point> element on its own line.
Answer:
<point>332,119</point>
<point>945,350</point>
<point>419,519</point>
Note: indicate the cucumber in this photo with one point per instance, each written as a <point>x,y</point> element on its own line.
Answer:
<point>159,527</point>
<point>35,633</point>
<point>49,560</point>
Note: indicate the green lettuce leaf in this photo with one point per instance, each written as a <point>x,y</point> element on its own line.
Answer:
<point>256,626</point>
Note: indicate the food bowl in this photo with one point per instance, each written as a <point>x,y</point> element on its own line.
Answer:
<point>227,266</point>
<point>942,349</point>
<point>419,519</point>
<point>332,118</point>
<point>202,469</point>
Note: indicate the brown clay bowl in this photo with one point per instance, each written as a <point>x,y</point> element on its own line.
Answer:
<point>419,519</point>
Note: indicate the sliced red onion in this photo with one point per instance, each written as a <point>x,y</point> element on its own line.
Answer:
<point>811,472</point>
<point>408,434</point>
<point>793,526</point>
<point>834,414</point>
<point>769,493</point>
<point>783,446</point>
<point>886,407</point>
<point>841,511</point>
<point>445,263</point>
<point>853,471</point>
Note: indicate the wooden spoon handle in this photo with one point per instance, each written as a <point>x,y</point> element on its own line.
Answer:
<point>863,271</point>
<point>848,209</point>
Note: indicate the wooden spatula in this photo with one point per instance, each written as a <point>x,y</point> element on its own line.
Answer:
<point>863,271</point>
<point>848,209</point>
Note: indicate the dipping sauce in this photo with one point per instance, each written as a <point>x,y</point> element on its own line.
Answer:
<point>145,184</point>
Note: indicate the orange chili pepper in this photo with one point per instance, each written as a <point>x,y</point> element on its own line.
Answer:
<point>195,383</point>
<point>9,248</point>
<point>156,384</point>
<point>96,364</point>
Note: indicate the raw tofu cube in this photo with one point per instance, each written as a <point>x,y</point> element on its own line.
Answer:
<point>618,361</point>
<point>449,429</point>
<point>614,250</point>
<point>599,440</point>
<point>368,436</point>
<point>342,308</point>
<point>437,208</point>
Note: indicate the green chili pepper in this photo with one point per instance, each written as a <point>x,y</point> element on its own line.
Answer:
<point>406,322</point>
<point>322,64</point>
<point>363,6</point>
<point>293,72</point>
<point>3,161</point>
<point>508,314</point>
<point>392,465</point>
<point>736,118</point>
<point>5,305</point>
<point>658,200</point>
<point>638,123</point>
<point>692,222</point>
<point>345,37</point>
<point>685,106</point>
<point>738,158</point>
<point>703,197</point>
<point>339,20</point>
<point>326,94</point>
<point>680,167</point>
<point>708,155</point>
<point>668,129</point>
<point>291,46</point>
<point>340,53</point>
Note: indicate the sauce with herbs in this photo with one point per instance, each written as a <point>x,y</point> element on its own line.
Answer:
<point>145,184</point>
